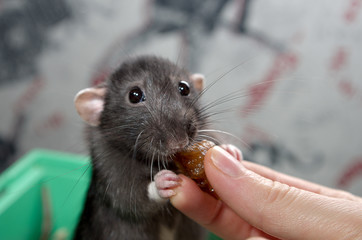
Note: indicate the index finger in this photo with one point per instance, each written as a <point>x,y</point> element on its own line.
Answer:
<point>299,183</point>
<point>277,208</point>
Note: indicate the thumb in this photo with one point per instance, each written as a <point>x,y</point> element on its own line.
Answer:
<point>278,209</point>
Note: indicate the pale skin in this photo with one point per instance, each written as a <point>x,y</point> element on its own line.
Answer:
<point>259,203</point>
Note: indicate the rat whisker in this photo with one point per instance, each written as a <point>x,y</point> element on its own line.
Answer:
<point>209,114</point>
<point>158,158</point>
<point>164,162</point>
<point>227,133</point>
<point>145,141</point>
<point>151,166</point>
<point>136,144</point>
<point>105,191</point>
<point>217,80</point>
<point>71,191</point>
<point>131,196</point>
<point>238,94</point>
<point>179,56</point>
<point>191,142</point>
<point>122,127</point>
<point>224,99</point>
<point>207,137</point>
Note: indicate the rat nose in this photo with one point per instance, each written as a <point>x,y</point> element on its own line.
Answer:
<point>176,144</point>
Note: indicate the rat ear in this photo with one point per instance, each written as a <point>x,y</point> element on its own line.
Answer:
<point>198,81</point>
<point>89,104</point>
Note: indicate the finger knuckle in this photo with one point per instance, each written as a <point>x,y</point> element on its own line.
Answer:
<point>278,197</point>
<point>277,193</point>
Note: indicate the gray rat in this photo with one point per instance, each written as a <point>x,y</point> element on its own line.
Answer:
<point>138,119</point>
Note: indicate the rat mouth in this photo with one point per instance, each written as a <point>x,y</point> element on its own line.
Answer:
<point>166,148</point>
<point>176,145</point>
<point>163,161</point>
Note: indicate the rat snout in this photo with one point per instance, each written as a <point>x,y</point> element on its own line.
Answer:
<point>180,136</point>
<point>175,131</point>
<point>177,144</point>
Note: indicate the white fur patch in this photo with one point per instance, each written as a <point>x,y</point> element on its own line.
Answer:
<point>153,193</point>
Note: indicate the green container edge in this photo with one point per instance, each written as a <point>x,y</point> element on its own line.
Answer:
<point>62,177</point>
<point>34,168</point>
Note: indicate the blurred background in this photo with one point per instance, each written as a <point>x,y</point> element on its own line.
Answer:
<point>290,71</point>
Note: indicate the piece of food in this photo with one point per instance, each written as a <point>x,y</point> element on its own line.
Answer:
<point>190,162</point>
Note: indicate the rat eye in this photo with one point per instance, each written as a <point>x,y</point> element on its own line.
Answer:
<point>184,88</point>
<point>136,95</point>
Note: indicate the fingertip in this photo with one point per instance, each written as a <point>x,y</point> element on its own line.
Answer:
<point>222,161</point>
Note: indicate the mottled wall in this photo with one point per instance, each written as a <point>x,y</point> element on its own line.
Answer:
<point>292,69</point>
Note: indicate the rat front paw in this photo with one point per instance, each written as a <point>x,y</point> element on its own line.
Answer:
<point>163,187</point>
<point>233,151</point>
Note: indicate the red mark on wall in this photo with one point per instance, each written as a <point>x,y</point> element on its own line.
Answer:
<point>99,78</point>
<point>52,122</point>
<point>353,10</point>
<point>352,172</point>
<point>347,89</point>
<point>339,59</point>
<point>28,96</point>
<point>338,62</point>
<point>259,92</point>
<point>55,120</point>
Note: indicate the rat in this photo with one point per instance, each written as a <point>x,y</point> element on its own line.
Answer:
<point>144,113</point>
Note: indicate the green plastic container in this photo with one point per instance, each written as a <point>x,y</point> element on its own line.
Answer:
<point>42,196</point>
<point>44,189</point>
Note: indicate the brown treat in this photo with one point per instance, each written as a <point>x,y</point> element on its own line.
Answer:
<point>190,162</point>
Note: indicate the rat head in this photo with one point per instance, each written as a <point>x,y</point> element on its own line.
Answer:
<point>149,106</point>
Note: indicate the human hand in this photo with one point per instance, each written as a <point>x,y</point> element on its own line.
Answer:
<point>258,202</point>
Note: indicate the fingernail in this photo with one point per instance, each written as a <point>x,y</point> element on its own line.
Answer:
<point>225,162</point>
